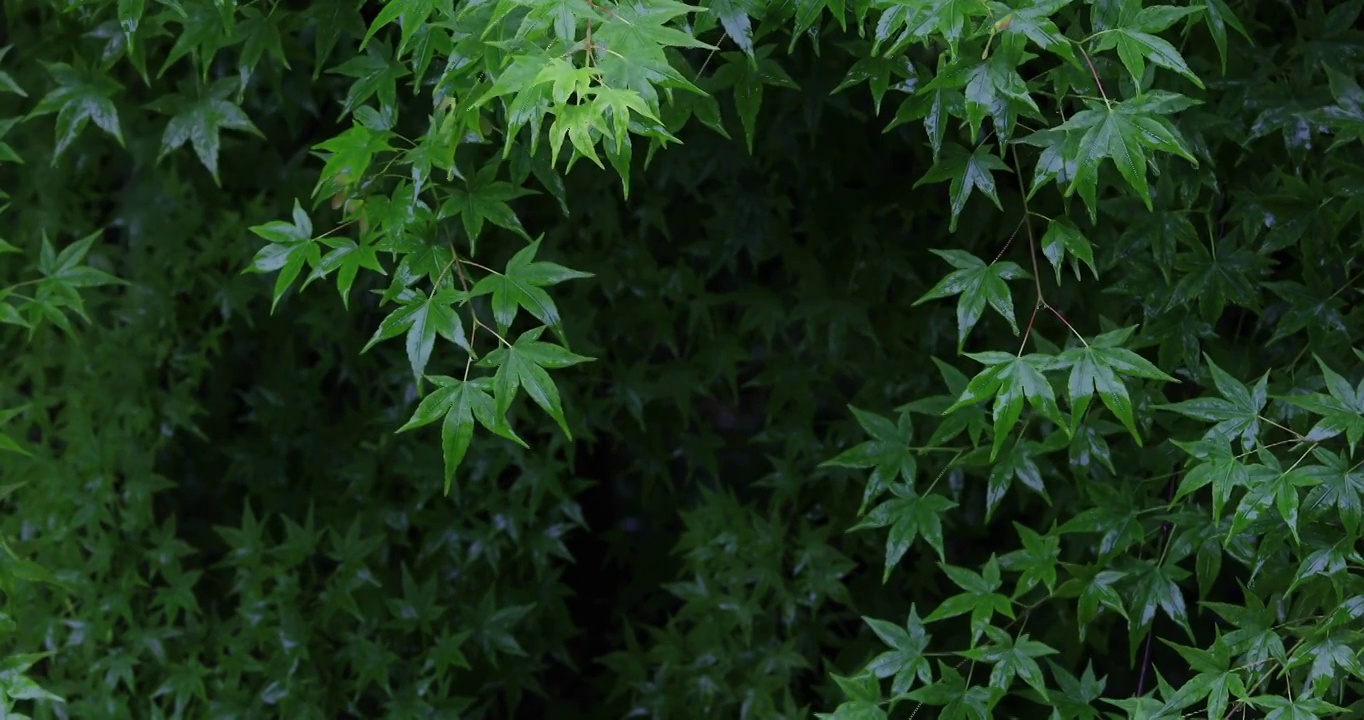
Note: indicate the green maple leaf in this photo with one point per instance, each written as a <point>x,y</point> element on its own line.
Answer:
<point>331,20</point>
<point>905,660</point>
<point>1036,561</point>
<point>1120,132</point>
<point>978,596</point>
<point>616,106</point>
<point>641,30</point>
<point>995,88</point>
<point>1269,483</point>
<point>960,699</point>
<point>1260,494</point>
<point>1092,588</point>
<point>1157,587</point>
<point>1316,309</point>
<point>1011,380</point>
<point>565,80</point>
<point>1339,486</point>
<point>434,150</point>
<point>1134,36</point>
<point>204,30</point>
<point>429,41</point>
<point>1212,279</point>
<point>645,75</point>
<point>423,318</point>
<point>903,24</point>
<point>262,35</point>
<point>484,199</point>
<point>409,14</point>
<point>350,154</point>
<point>979,285</point>
<point>992,87</point>
<point>909,516</point>
<point>376,72</point>
<point>81,96</point>
<point>1096,367</point>
<point>1288,500</point>
<point>1300,707</point>
<point>1218,16</point>
<point>519,286</point>
<point>1034,23</point>
<point>734,18</point>
<point>200,121</point>
<point>748,76</point>
<point>63,276</point>
<point>888,452</point>
<point>1055,162</point>
<point>865,694</point>
<point>1013,658</point>
<point>346,258</point>
<point>7,83</point>
<point>1018,462</point>
<point>290,247</point>
<point>966,172</point>
<point>580,124</point>
<point>935,108</point>
<point>522,366</point>
<point>1236,413</point>
<point>1218,467</point>
<point>460,403</point>
<point>64,267</point>
<point>877,72</point>
<point>531,96</point>
<point>1074,697</point>
<point>969,420</point>
<point>1215,682</point>
<point>808,12</point>
<point>1341,408</point>
<point>1064,238</point>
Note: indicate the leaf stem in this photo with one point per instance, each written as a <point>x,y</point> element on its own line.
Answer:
<point>1296,436</point>
<point>1066,322</point>
<point>1032,243</point>
<point>344,224</point>
<point>1027,332</point>
<point>484,268</point>
<point>944,470</point>
<point>478,322</point>
<point>1012,235</point>
<point>1095,73</point>
<point>473,314</point>
<point>24,283</point>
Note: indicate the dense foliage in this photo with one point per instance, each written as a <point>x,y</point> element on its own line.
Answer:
<point>605,358</point>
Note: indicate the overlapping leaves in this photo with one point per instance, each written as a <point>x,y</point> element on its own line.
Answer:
<point>1099,113</point>
<point>521,366</point>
